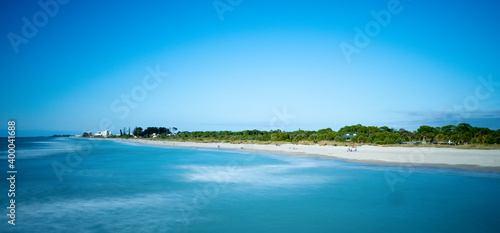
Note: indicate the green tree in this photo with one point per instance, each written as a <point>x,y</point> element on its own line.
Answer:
<point>384,129</point>
<point>463,127</point>
<point>455,138</point>
<point>137,131</point>
<point>439,137</point>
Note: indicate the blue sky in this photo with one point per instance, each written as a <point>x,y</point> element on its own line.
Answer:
<point>259,65</point>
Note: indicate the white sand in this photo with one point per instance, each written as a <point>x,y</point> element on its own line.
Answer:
<point>488,160</point>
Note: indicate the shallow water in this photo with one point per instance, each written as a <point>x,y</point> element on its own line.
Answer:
<point>78,185</point>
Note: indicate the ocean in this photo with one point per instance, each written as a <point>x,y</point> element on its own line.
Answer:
<point>80,185</point>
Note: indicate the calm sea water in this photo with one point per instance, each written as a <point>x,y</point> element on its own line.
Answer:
<point>78,185</point>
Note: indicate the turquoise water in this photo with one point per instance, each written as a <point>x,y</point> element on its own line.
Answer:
<point>106,186</point>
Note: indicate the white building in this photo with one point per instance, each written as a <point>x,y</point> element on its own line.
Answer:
<point>106,133</point>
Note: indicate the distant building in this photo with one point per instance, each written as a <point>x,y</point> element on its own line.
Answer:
<point>90,133</point>
<point>106,133</point>
<point>348,136</point>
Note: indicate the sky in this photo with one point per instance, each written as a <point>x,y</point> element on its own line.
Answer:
<point>74,66</point>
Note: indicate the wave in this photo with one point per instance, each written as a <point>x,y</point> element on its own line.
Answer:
<point>110,214</point>
<point>49,148</point>
<point>257,175</point>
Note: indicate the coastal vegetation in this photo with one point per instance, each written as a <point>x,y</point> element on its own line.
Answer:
<point>62,135</point>
<point>449,135</point>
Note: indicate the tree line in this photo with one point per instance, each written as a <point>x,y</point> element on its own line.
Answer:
<point>457,134</point>
<point>148,132</point>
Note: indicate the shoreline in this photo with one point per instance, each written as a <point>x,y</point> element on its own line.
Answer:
<point>475,160</point>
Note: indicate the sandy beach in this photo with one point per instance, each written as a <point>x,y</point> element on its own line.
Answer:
<point>481,160</point>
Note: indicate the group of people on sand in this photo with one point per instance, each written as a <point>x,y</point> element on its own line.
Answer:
<point>352,149</point>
